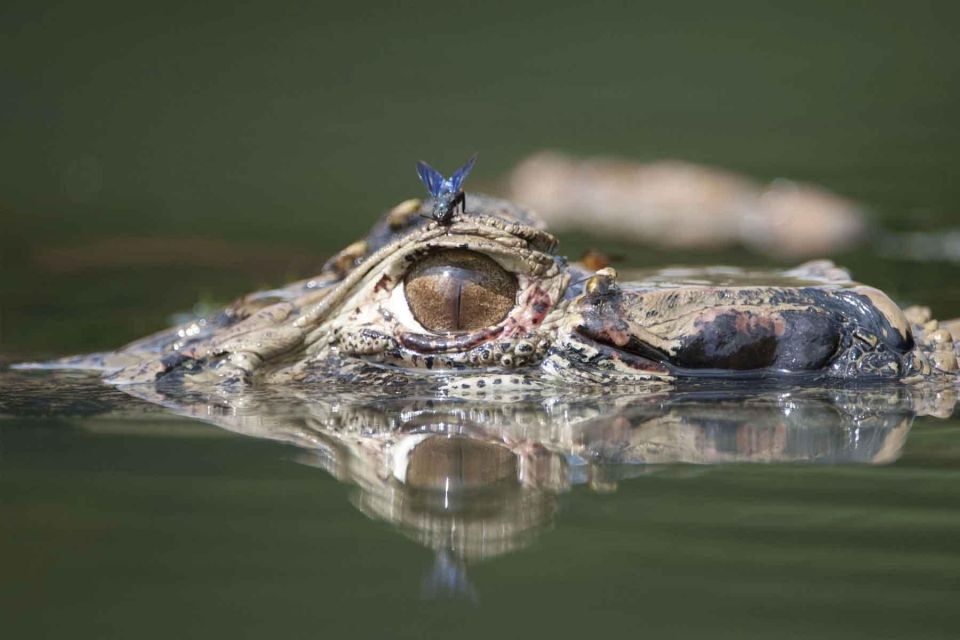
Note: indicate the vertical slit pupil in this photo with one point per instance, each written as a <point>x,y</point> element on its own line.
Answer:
<point>460,320</point>
<point>459,290</point>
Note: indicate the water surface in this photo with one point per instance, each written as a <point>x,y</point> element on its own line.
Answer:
<point>778,511</point>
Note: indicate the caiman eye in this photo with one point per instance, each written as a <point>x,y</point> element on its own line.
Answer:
<point>458,290</point>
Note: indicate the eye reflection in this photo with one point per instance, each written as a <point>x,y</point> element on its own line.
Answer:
<point>458,290</point>
<point>462,463</point>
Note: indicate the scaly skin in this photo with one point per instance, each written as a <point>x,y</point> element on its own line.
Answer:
<point>351,325</point>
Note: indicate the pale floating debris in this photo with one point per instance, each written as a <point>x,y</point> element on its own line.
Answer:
<point>684,205</point>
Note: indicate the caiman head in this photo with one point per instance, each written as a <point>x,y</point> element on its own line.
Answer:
<point>485,303</point>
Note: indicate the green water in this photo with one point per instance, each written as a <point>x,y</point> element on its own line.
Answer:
<point>156,158</point>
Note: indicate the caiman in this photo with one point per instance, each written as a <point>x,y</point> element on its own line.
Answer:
<point>469,292</point>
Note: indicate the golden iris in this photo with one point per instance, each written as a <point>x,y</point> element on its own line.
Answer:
<point>458,290</point>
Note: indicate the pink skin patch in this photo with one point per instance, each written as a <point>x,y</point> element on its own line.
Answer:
<point>383,284</point>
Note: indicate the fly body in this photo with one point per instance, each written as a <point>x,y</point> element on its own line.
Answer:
<point>446,192</point>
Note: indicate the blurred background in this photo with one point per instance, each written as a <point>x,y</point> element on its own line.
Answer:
<point>157,155</point>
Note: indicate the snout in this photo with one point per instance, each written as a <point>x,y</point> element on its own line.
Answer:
<point>613,334</point>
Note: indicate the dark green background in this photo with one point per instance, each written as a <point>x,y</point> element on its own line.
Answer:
<point>281,130</point>
<point>275,133</point>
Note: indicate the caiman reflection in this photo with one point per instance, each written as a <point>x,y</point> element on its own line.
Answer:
<point>474,479</point>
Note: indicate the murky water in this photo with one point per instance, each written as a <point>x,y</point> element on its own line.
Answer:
<point>767,511</point>
<point>158,163</point>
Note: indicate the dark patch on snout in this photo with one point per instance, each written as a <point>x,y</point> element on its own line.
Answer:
<point>741,340</point>
<point>855,309</point>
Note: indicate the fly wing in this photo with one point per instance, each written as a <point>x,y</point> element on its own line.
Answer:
<point>461,174</point>
<point>430,178</point>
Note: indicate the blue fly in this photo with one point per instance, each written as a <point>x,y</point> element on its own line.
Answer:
<point>446,192</point>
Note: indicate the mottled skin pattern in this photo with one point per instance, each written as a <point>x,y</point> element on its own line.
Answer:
<point>351,325</point>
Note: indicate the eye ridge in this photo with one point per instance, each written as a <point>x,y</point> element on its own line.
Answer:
<point>457,290</point>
